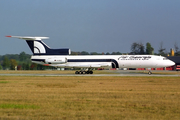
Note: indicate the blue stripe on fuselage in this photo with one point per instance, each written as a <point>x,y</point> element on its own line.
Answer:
<point>115,63</point>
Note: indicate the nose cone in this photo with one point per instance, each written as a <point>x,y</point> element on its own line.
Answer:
<point>171,63</point>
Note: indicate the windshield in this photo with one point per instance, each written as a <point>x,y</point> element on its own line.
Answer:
<point>165,58</point>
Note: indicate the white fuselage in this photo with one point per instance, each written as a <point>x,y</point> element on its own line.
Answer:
<point>103,61</point>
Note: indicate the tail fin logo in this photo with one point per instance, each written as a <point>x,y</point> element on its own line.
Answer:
<point>38,47</point>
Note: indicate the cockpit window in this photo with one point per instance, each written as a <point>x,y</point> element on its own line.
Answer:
<point>165,58</point>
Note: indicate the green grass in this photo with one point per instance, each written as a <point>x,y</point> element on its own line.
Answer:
<point>18,106</point>
<point>4,82</point>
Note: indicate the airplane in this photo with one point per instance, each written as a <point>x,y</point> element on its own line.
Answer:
<point>44,55</point>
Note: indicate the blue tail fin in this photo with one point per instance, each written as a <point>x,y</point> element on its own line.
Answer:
<point>38,47</point>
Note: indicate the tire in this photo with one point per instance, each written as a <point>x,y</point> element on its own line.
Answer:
<point>76,72</point>
<point>149,72</point>
<point>91,72</point>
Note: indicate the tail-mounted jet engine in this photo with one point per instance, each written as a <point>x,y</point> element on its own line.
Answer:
<point>56,60</point>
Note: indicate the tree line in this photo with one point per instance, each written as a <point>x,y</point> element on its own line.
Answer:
<point>138,48</point>
<point>22,61</point>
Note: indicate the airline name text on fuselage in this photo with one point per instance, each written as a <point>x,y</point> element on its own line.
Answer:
<point>134,57</point>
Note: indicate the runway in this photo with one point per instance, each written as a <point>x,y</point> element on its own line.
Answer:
<point>110,73</point>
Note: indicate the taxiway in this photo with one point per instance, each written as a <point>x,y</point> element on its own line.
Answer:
<point>110,73</point>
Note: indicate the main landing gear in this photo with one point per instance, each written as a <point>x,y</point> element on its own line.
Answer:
<point>89,71</point>
<point>149,73</point>
<point>84,72</point>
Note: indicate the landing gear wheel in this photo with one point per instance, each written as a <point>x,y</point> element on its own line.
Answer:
<point>76,72</point>
<point>84,72</point>
<point>91,72</point>
<point>149,72</point>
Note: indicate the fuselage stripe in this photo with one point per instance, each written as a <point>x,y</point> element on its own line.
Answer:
<point>116,65</point>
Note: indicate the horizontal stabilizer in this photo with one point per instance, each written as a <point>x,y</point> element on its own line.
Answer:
<point>29,38</point>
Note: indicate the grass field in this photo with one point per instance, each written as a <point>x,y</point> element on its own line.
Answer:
<point>154,98</point>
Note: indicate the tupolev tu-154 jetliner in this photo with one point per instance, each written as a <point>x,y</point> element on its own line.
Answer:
<point>44,55</point>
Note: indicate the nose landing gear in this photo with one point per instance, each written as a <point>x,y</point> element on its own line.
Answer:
<point>149,73</point>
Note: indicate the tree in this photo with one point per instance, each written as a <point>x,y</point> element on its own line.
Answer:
<point>116,53</point>
<point>84,53</point>
<point>176,47</point>
<point>94,53</point>
<point>177,52</point>
<point>23,66</point>
<point>22,56</point>
<point>149,49</point>
<point>137,48</point>
<point>162,50</point>
<point>6,63</point>
<point>107,53</point>
<point>33,66</point>
<point>0,67</point>
<point>13,64</point>
<point>27,67</point>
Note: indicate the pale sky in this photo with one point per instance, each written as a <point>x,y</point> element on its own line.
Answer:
<point>90,25</point>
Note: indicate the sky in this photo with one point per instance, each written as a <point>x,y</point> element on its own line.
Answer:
<point>90,25</point>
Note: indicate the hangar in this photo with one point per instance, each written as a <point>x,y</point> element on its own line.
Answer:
<point>175,59</point>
